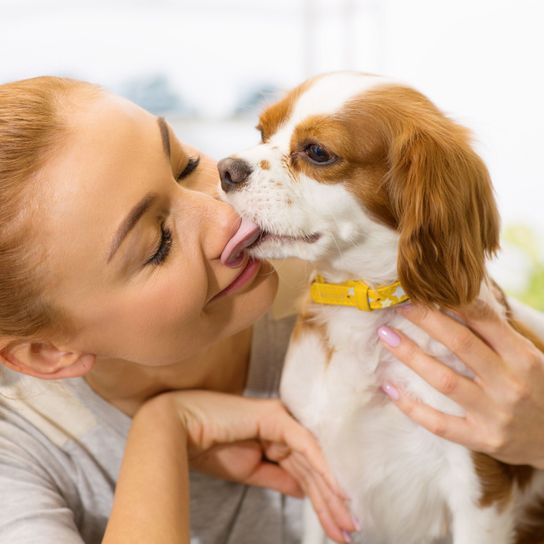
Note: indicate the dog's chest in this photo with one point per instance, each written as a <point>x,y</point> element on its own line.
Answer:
<point>335,367</point>
<point>377,453</point>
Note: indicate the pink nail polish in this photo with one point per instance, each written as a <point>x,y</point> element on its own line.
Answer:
<point>347,536</point>
<point>390,391</point>
<point>357,523</point>
<point>389,336</point>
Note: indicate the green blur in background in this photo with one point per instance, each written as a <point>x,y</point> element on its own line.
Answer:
<point>526,240</point>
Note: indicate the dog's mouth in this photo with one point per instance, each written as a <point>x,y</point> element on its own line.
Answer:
<point>266,236</point>
<point>249,236</point>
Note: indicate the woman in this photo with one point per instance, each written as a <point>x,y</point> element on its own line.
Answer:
<point>111,285</point>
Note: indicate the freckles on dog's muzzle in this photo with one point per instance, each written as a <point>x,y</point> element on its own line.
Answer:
<point>233,173</point>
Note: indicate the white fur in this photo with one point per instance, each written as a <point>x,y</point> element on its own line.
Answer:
<point>404,482</point>
<point>326,96</point>
<point>407,485</point>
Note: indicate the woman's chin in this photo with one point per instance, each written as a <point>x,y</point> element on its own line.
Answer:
<point>254,301</point>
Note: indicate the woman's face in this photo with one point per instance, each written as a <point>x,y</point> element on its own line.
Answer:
<point>133,245</point>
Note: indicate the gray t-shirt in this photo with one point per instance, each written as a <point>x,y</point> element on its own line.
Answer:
<point>61,447</point>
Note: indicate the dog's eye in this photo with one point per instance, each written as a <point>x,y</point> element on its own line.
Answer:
<point>318,154</point>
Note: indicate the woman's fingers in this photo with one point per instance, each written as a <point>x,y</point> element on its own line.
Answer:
<point>299,453</point>
<point>445,380</point>
<point>243,462</point>
<point>282,428</point>
<point>275,477</point>
<point>453,428</point>
<point>337,506</point>
<point>496,331</point>
<point>478,356</point>
<point>500,374</point>
<point>503,404</point>
<point>336,525</point>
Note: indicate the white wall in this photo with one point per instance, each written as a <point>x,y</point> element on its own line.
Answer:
<point>479,60</point>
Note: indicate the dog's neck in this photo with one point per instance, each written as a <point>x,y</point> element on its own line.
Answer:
<point>374,261</point>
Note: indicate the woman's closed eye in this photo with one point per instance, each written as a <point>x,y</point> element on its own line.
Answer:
<point>190,167</point>
<point>163,250</point>
<point>165,243</point>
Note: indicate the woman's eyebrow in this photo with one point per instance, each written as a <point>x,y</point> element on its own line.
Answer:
<point>165,135</point>
<point>130,221</point>
<point>147,201</point>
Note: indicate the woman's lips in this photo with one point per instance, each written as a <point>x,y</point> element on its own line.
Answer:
<point>246,276</point>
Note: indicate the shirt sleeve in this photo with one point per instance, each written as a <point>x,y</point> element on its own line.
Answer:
<point>33,507</point>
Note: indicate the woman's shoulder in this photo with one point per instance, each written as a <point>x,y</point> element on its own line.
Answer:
<point>61,423</point>
<point>61,410</point>
<point>59,458</point>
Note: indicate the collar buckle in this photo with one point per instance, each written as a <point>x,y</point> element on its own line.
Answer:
<point>358,291</point>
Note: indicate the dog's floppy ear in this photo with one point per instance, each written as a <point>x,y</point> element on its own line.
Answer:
<point>447,218</point>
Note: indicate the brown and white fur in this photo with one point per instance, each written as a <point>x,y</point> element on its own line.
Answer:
<point>405,197</point>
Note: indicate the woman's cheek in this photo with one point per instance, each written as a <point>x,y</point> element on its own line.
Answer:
<point>167,321</point>
<point>179,298</point>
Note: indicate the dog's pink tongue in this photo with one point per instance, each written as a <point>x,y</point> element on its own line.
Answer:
<point>247,233</point>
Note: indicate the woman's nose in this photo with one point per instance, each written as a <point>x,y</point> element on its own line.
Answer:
<point>219,225</point>
<point>233,173</point>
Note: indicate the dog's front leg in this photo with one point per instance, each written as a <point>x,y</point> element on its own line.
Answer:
<point>301,391</point>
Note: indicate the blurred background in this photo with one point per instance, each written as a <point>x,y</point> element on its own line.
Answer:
<point>209,65</point>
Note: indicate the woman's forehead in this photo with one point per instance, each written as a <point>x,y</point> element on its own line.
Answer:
<point>111,155</point>
<point>105,117</point>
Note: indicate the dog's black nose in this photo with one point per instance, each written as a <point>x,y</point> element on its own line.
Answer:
<point>233,173</point>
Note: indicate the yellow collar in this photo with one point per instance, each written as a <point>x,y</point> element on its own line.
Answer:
<point>357,293</point>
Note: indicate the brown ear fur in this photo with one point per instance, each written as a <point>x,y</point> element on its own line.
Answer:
<point>447,218</point>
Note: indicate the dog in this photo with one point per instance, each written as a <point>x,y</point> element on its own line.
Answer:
<point>384,194</point>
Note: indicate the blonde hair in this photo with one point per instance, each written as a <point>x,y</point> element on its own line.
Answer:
<point>32,128</point>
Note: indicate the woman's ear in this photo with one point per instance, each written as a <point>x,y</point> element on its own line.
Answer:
<point>44,360</point>
<point>447,217</point>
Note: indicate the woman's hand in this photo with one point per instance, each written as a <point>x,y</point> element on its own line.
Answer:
<point>504,404</point>
<point>256,442</point>
<point>245,440</point>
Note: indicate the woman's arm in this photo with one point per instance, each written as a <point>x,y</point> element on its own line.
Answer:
<point>250,441</point>
<point>152,493</point>
<point>504,404</point>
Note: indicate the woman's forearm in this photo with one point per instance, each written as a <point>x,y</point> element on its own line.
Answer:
<point>151,503</point>
<point>249,441</point>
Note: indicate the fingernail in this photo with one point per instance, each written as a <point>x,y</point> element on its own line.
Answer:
<point>356,522</point>
<point>390,391</point>
<point>347,536</point>
<point>389,336</point>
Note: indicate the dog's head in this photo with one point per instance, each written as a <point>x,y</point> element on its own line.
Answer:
<point>370,178</point>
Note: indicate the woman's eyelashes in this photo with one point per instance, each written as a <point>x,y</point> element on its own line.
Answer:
<point>163,250</point>
<point>165,243</point>
<point>190,167</point>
